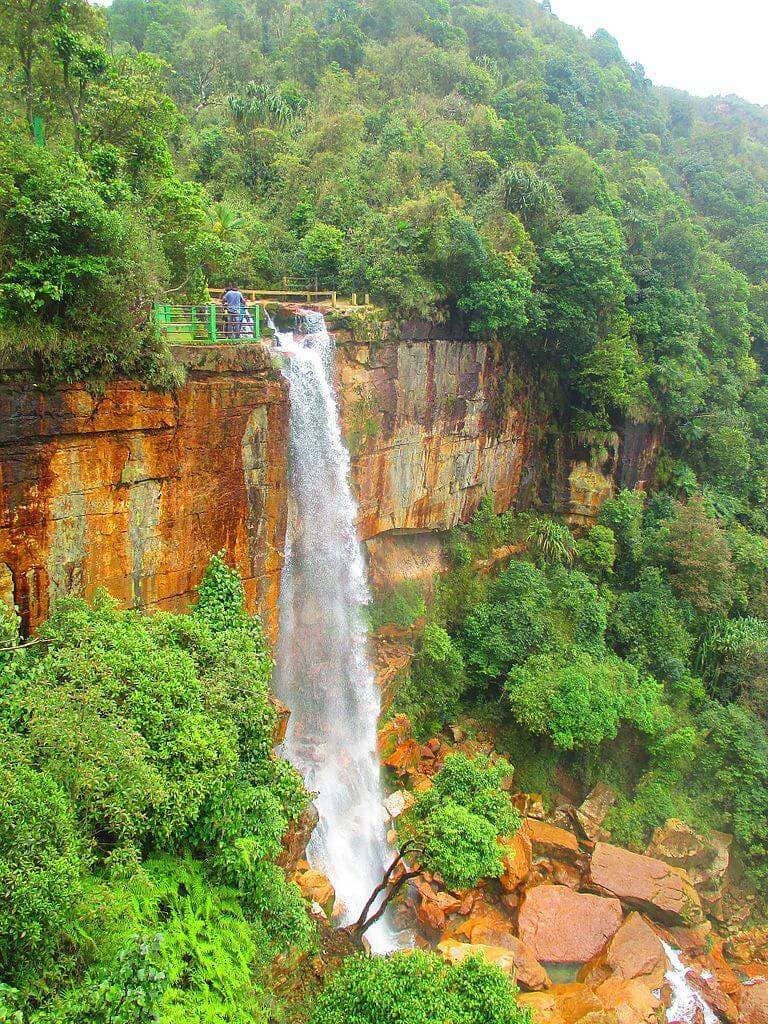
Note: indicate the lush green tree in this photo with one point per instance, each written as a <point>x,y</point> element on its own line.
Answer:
<point>42,856</point>
<point>459,821</point>
<point>418,988</point>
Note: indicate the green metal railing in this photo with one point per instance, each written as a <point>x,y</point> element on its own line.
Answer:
<point>207,324</point>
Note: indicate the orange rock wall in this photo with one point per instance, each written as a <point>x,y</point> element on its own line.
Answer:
<point>430,431</point>
<point>433,425</point>
<point>132,490</point>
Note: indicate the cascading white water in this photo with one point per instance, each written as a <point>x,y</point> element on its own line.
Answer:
<point>323,672</point>
<point>687,1004</point>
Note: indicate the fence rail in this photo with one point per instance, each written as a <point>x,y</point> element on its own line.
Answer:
<point>206,323</point>
<point>290,290</point>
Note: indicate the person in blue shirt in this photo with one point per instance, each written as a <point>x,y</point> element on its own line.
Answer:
<point>233,302</point>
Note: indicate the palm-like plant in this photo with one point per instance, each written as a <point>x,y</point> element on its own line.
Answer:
<point>551,541</point>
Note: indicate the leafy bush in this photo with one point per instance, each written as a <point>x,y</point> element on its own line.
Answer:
<point>432,693</point>
<point>575,700</point>
<point>42,857</point>
<point>418,988</point>
<point>459,820</point>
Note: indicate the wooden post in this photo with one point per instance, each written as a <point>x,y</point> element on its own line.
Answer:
<point>333,300</point>
<point>367,299</point>
<point>354,298</point>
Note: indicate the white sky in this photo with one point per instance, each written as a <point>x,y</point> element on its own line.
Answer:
<point>706,47</point>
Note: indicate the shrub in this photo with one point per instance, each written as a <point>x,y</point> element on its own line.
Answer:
<point>41,861</point>
<point>417,988</point>
<point>436,683</point>
<point>459,820</point>
<point>572,698</point>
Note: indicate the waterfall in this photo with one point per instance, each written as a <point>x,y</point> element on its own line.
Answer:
<point>687,1005</point>
<point>323,672</point>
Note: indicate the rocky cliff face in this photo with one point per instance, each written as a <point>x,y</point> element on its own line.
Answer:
<point>133,490</point>
<point>434,422</point>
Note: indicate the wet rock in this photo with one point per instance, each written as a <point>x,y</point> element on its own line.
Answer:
<point>563,926</point>
<point>281,724</point>
<point>590,815</point>
<point>316,888</point>
<point>748,945</point>
<point>530,805</point>
<point>297,837</point>
<point>405,758</point>
<point>517,860</point>
<point>662,890</point>
<point>542,1006</point>
<point>550,841</point>
<point>575,1002</point>
<point>561,873</point>
<point>753,1008</point>
<point>632,1001</point>
<point>399,802</point>
<point>705,860</point>
<point>634,952</point>
<point>515,959</point>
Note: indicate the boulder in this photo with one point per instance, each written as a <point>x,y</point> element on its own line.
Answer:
<point>517,860</point>
<point>753,1007</point>
<point>634,953</point>
<point>281,722</point>
<point>662,890</point>
<point>454,952</point>
<point>590,815</point>
<point>550,841</point>
<point>563,926</point>
<point>405,758</point>
<point>632,1000</point>
<point>316,888</point>
<point>530,805</point>
<point>542,1005</point>
<point>399,802</point>
<point>575,1001</point>
<point>297,837</point>
<point>705,860</point>
<point>518,962</point>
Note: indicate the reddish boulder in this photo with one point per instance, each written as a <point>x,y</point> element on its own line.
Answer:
<point>515,959</point>
<point>705,860</point>
<point>563,926</point>
<point>632,1001</point>
<point>575,1002</point>
<point>634,952</point>
<point>550,841</point>
<point>644,882</point>
<point>590,815</point>
<point>753,1008</point>
<point>316,888</point>
<point>517,860</point>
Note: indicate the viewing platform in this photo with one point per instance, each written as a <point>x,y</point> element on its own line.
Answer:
<point>208,323</point>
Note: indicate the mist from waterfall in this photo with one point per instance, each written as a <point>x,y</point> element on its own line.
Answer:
<point>323,671</point>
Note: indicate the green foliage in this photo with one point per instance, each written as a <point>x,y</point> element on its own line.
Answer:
<point>139,743</point>
<point>399,605</point>
<point>418,988</point>
<point>41,860</point>
<point>596,552</point>
<point>459,820</point>
<point>431,696</point>
<point>551,541</point>
<point>579,701</point>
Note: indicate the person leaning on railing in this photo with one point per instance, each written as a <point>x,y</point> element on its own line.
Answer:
<point>233,303</point>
